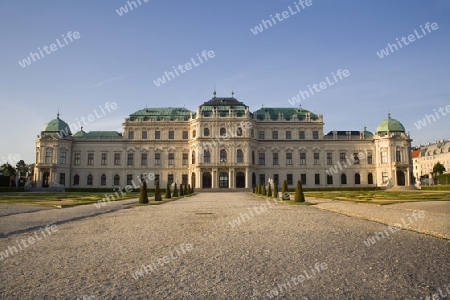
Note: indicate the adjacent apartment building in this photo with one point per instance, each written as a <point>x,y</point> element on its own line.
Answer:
<point>425,157</point>
<point>223,145</point>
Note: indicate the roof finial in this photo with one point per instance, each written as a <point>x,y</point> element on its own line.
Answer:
<point>232,94</point>
<point>389,115</point>
<point>57,115</point>
<point>214,93</point>
<point>81,128</point>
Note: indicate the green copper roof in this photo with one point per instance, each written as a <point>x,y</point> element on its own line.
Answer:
<point>390,124</point>
<point>57,126</point>
<point>223,103</point>
<point>96,134</point>
<point>286,112</point>
<point>161,113</point>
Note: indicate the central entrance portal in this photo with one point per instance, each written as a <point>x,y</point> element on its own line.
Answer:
<point>223,180</point>
<point>206,180</point>
<point>240,180</point>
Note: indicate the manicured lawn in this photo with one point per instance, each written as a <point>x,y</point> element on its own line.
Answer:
<point>56,199</point>
<point>382,197</point>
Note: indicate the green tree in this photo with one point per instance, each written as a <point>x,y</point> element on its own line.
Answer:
<point>285,192</point>
<point>143,197</point>
<point>181,190</point>
<point>157,192</point>
<point>269,191</point>
<point>299,195</point>
<point>275,190</point>
<point>175,190</point>
<point>438,169</point>
<point>168,192</point>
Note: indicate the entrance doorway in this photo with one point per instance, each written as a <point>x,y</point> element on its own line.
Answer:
<point>240,180</point>
<point>400,178</point>
<point>45,179</point>
<point>207,180</point>
<point>223,180</point>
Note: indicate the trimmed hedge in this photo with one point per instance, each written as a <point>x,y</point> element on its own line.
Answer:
<point>444,179</point>
<point>436,188</point>
<point>11,189</point>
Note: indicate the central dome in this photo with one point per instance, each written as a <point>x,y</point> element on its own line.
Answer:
<point>391,125</point>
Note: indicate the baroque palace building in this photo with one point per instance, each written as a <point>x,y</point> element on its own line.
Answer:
<point>223,145</point>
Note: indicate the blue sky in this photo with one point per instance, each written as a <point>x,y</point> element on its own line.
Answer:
<point>117,58</point>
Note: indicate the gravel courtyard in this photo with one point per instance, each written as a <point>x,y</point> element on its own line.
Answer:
<point>190,250</point>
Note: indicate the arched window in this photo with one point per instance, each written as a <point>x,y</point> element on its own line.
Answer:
<point>76,179</point>
<point>239,131</point>
<point>240,156</point>
<point>89,179</point>
<point>194,133</point>
<point>357,179</point>
<point>370,178</point>
<point>103,180</point>
<point>223,155</point>
<point>343,179</point>
<point>193,158</point>
<point>131,135</point>
<point>223,131</point>
<point>116,179</point>
<point>253,157</point>
<point>206,156</point>
<point>206,131</point>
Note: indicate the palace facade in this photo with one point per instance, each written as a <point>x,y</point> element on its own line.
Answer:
<point>223,145</point>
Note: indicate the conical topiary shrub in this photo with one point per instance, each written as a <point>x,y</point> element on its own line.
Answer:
<point>157,192</point>
<point>263,190</point>
<point>269,191</point>
<point>175,190</point>
<point>189,189</point>
<point>168,193</point>
<point>285,192</point>
<point>192,189</point>
<point>275,190</point>
<point>299,195</point>
<point>181,190</point>
<point>143,198</point>
<point>186,191</point>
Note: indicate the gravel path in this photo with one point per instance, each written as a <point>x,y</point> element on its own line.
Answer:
<point>14,209</point>
<point>97,257</point>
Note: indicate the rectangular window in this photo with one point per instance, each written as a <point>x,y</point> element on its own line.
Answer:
<point>90,159</point>
<point>288,159</point>
<point>288,135</point>
<point>157,135</point>
<point>398,157</point>
<point>184,179</point>
<point>171,158</point>
<point>130,159</point>
<point>48,157</point>
<point>156,178</point>
<point>117,159</point>
<point>275,178</point>
<point>62,158</point>
<point>143,159</point>
<point>315,135</point>
<point>355,158</point>
<point>131,135</point>
<point>144,134</point>
<point>104,156</point>
<point>185,135</point>
<point>262,158</point>
<point>383,157</point>
<point>369,158</point>
<point>342,157</point>
<point>275,159</point>
<point>317,179</point>
<point>274,135</point>
<point>303,158</point>
<point>316,159</point>
<point>76,161</point>
<point>384,177</point>
<point>129,179</point>
<point>301,135</point>
<point>303,179</point>
<point>262,178</point>
<point>171,135</point>
<point>170,178</point>
<point>62,178</point>
<point>157,159</point>
<point>329,158</point>
<point>329,179</point>
<point>289,179</point>
<point>185,159</point>
<point>261,135</point>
